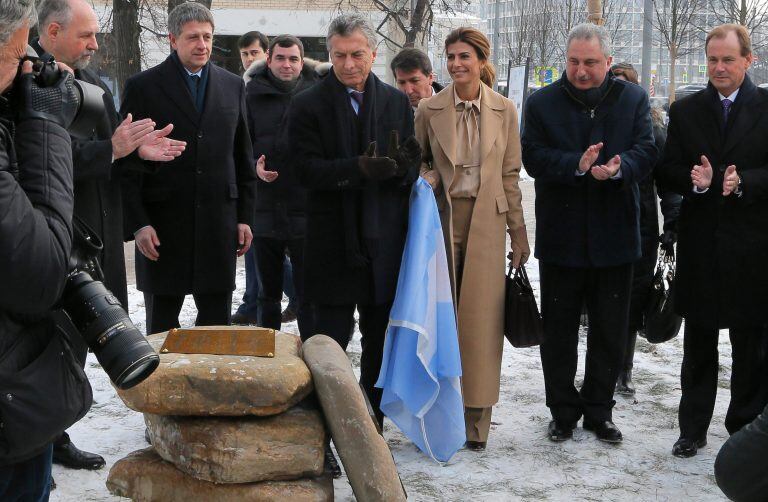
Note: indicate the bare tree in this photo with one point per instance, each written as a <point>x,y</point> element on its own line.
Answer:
<point>125,31</point>
<point>675,25</point>
<point>753,14</point>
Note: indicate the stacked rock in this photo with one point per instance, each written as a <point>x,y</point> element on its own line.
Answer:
<point>226,428</point>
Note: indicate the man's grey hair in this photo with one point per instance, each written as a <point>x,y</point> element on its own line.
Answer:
<point>347,24</point>
<point>588,31</point>
<point>53,11</point>
<point>13,15</point>
<point>188,12</point>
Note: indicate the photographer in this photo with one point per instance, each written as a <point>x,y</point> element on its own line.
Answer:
<point>43,389</point>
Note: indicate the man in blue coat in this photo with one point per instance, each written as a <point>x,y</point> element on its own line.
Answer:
<point>357,202</point>
<point>587,141</point>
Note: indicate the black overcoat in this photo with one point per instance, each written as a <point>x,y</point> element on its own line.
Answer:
<point>580,221</point>
<point>280,210</point>
<point>326,161</point>
<point>722,249</point>
<point>195,201</point>
<point>98,199</point>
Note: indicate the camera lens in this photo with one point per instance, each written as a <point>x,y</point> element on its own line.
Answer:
<point>121,349</point>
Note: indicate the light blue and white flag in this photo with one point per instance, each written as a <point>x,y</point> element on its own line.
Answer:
<point>421,367</point>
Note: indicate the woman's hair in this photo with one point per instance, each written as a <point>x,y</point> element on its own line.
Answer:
<point>626,70</point>
<point>482,47</point>
<point>656,116</point>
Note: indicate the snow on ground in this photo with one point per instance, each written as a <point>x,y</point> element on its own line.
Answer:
<point>520,462</point>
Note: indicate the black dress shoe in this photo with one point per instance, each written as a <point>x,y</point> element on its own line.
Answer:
<point>288,315</point>
<point>605,431</point>
<point>624,385</point>
<point>559,431</point>
<point>331,464</point>
<point>243,320</point>
<point>476,445</point>
<point>70,456</point>
<point>686,448</point>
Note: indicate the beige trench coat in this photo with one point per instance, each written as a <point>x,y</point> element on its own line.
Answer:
<point>498,207</point>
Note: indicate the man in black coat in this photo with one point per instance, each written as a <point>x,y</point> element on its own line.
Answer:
<point>716,157</point>
<point>280,218</point>
<point>587,141</point>
<point>68,33</point>
<point>190,217</point>
<point>357,207</point>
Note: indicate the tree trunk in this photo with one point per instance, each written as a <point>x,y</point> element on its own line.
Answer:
<point>672,72</point>
<point>125,30</point>
<point>595,12</point>
<point>416,26</point>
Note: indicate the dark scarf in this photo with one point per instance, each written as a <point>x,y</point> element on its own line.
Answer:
<point>590,97</point>
<point>282,85</point>
<point>361,207</point>
<point>202,86</point>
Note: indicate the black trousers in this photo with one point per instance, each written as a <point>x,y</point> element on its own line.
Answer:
<point>163,310</point>
<point>741,467</point>
<point>605,292</point>
<point>749,378</point>
<point>337,321</point>
<point>270,255</point>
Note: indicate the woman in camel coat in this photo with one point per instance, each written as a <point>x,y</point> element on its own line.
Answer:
<point>469,135</point>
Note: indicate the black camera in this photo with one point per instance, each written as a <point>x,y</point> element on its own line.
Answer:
<point>89,98</point>
<point>99,317</point>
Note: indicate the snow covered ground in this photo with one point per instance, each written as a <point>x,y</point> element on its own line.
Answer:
<point>519,464</point>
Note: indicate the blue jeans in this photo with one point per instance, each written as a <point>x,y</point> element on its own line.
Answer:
<point>250,307</point>
<point>28,481</point>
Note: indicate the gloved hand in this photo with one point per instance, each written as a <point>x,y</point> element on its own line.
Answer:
<point>668,240</point>
<point>376,168</point>
<point>58,102</point>
<point>407,156</point>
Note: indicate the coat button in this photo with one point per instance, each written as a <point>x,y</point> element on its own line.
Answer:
<point>9,396</point>
<point>200,135</point>
<point>105,213</point>
<point>199,171</point>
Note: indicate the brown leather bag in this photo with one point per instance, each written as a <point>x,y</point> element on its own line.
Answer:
<point>522,322</point>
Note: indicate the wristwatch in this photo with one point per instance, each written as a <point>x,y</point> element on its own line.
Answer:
<point>737,190</point>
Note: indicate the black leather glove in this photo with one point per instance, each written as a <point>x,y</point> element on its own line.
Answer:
<point>58,102</point>
<point>376,168</point>
<point>668,240</point>
<point>407,156</point>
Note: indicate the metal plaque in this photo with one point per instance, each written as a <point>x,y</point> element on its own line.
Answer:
<point>221,340</point>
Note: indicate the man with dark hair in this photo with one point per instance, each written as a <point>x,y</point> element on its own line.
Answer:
<point>67,31</point>
<point>413,75</point>
<point>357,202</point>
<point>191,218</point>
<point>280,218</point>
<point>716,157</point>
<point>253,47</point>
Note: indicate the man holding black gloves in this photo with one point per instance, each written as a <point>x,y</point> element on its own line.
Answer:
<point>36,206</point>
<point>357,202</point>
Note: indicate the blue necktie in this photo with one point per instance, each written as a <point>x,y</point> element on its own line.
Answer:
<point>357,96</point>
<point>195,80</point>
<point>726,108</point>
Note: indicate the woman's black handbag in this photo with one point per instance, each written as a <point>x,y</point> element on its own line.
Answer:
<point>522,322</point>
<point>661,322</point>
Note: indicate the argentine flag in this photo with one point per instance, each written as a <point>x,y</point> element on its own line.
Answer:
<point>421,367</point>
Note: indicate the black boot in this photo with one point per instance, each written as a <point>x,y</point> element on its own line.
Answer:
<point>624,385</point>
<point>331,464</point>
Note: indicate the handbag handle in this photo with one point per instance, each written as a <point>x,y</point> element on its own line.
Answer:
<point>519,272</point>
